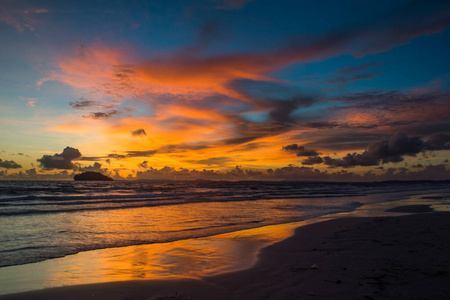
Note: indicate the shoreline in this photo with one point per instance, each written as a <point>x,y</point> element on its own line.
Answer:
<point>187,258</point>
<point>371,209</point>
<point>344,258</point>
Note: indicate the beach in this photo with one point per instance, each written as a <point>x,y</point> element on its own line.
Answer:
<point>400,257</point>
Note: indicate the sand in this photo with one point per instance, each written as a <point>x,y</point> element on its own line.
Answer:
<point>403,257</point>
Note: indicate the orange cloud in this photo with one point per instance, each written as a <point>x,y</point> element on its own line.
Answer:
<point>197,107</point>
<point>119,72</point>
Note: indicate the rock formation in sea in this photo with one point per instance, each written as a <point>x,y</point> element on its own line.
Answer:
<point>91,176</point>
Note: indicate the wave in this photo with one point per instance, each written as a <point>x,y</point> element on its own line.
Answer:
<point>42,220</point>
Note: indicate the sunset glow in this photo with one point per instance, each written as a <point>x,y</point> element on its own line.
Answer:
<point>225,90</point>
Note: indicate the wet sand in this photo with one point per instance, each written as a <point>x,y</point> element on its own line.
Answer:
<point>403,257</point>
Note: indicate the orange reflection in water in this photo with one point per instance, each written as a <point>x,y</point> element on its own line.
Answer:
<point>191,258</point>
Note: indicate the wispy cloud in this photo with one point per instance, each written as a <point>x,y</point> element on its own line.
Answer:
<point>20,17</point>
<point>30,100</point>
<point>100,115</point>
<point>195,75</point>
<point>82,104</point>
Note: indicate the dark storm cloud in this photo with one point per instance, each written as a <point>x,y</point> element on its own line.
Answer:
<point>102,115</point>
<point>139,132</point>
<point>60,161</point>
<point>392,149</point>
<point>300,150</point>
<point>312,160</point>
<point>9,164</point>
<point>438,141</point>
<point>384,151</point>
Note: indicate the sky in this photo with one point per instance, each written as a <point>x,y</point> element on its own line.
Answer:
<point>225,89</point>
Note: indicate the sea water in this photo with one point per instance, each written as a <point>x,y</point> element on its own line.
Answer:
<point>41,220</point>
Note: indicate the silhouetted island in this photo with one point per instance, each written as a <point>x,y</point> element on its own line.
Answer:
<point>91,176</point>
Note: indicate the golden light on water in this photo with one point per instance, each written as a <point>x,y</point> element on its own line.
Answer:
<point>191,258</point>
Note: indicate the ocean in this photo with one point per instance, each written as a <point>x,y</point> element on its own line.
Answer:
<point>41,220</point>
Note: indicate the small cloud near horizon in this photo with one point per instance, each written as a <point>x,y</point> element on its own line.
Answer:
<point>9,164</point>
<point>139,132</point>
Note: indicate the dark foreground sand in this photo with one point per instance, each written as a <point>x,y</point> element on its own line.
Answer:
<point>404,257</point>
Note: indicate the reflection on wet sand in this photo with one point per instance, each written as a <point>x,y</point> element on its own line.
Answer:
<point>191,258</point>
